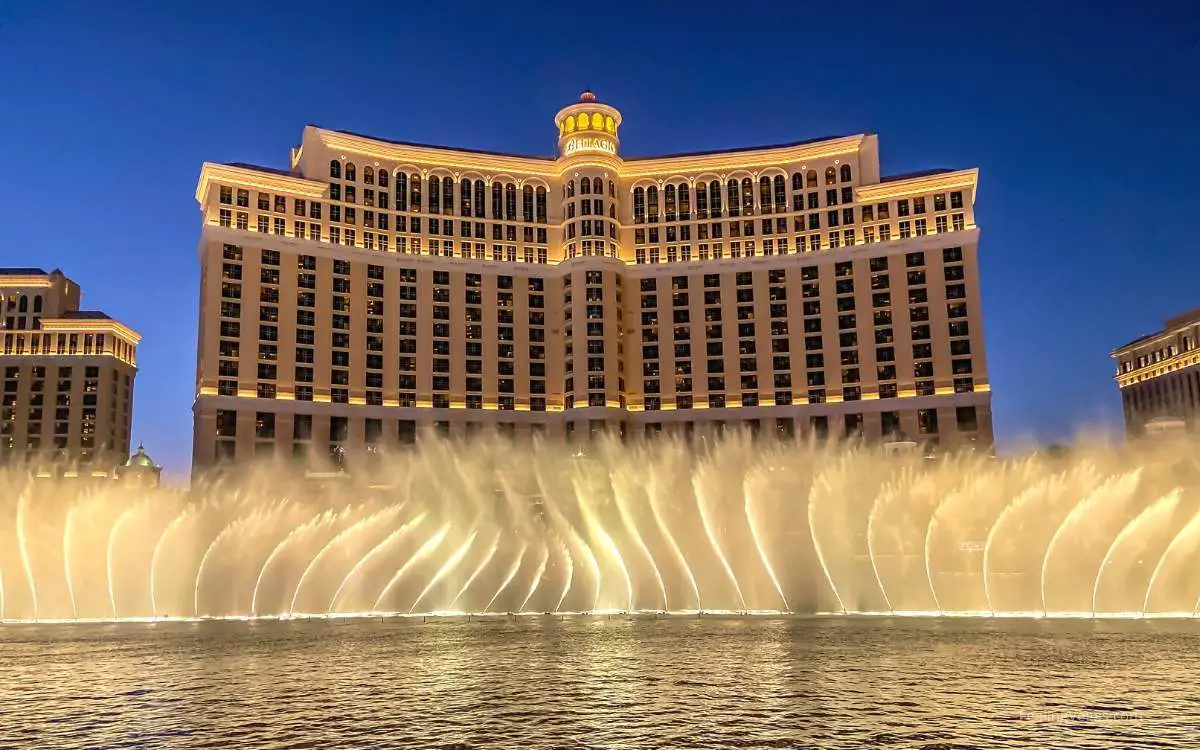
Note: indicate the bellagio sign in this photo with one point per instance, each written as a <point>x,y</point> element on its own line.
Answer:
<point>587,144</point>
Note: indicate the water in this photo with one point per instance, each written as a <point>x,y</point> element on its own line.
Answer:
<point>601,682</point>
<point>731,526</point>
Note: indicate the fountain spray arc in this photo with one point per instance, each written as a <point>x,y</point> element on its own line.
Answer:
<point>740,525</point>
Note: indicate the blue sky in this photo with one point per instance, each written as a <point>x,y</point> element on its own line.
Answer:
<point>1081,117</point>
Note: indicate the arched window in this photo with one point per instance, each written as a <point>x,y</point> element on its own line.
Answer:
<point>541,205</point>
<point>464,197</point>
<point>612,188</point>
<point>797,181</point>
<point>479,199</point>
<point>570,188</point>
<point>37,304</point>
<point>527,203</point>
<point>23,304</point>
<point>401,191</point>
<point>368,176</point>
<point>447,195</point>
<point>780,193</point>
<point>810,179</point>
<point>383,178</point>
<point>435,195</point>
<point>845,173</point>
<point>731,195</point>
<point>747,196</point>
<point>585,186</point>
<point>351,172</point>
<point>598,186</point>
<point>639,205</point>
<point>764,193</point>
<point>714,197</point>
<point>669,202</point>
<point>685,202</point>
<point>414,186</point>
<point>702,200</point>
<point>510,202</point>
<point>497,200</point>
<point>652,203</point>
<point>335,169</point>
<point>830,176</point>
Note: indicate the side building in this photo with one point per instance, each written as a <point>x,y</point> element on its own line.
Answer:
<point>376,288</point>
<point>1159,375</point>
<point>68,375</point>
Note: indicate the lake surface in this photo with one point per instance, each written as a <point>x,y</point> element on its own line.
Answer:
<point>602,683</point>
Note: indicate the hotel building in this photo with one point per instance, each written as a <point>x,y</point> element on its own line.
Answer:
<point>67,374</point>
<point>1159,375</point>
<point>376,288</point>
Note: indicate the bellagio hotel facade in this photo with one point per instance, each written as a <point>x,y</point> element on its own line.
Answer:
<point>377,289</point>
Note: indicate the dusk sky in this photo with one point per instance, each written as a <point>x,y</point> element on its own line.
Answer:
<point>1083,119</point>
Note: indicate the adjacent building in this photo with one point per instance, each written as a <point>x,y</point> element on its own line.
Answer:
<point>1159,375</point>
<point>139,472</point>
<point>377,288</point>
<point>67,374</point>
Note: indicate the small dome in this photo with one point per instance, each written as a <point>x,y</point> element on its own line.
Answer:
<point>140,459</point>
<point>587,96</point>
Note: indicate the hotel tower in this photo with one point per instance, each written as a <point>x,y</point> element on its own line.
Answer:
<point>67,375</point>
<point>376,289</point>
<point>1159,376</point>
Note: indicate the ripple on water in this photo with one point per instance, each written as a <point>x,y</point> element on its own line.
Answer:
<point>785,683</point>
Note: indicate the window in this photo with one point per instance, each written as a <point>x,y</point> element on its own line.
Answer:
<point>510,202</point>
<point>966,418</point>
<point>927,421</point>
<point>527,203</point>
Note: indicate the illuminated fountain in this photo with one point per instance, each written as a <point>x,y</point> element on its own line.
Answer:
<point>742,526</point>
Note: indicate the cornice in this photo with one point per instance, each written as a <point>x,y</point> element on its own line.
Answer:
<point>68,325</point>
<point>728,161</point>
<point>1180,361</point>
<point>253,178</point>
<point>437,157</point>
<point>26,281</point>
<point>1149,342</point>
<point>1155,340</point>
<point>957,180</point>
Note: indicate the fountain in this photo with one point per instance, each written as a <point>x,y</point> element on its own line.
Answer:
<point>740,526</point>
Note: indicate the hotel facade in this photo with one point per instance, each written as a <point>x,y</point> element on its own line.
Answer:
<point>68,375</point>
<point>376,289</point>
<point>1159,376</point>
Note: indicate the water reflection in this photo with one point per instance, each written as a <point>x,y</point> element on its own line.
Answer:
<point>600,682</point>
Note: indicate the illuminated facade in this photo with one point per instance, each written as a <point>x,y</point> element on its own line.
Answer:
<point>1159,374</point>
<point>377,288</point>
<point>67,374</point>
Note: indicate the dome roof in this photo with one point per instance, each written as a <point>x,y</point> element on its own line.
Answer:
<point>140,459</point>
